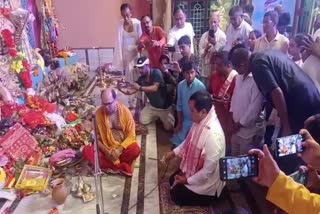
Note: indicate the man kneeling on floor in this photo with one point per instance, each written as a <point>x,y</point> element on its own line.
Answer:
<point>151,82</point>
<point>116,136</point>
<point>197,182</point>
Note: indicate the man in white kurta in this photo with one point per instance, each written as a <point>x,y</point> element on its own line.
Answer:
<point>197,182</point>
<point>181,28</point>
<point>238,29</point>
<point>209,45</point>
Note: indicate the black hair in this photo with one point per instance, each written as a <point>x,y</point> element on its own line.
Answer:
<point>188,65</point>
<point>238,54</point>
<point>202,100</point>
<point>284,19</point>
<point>224,56</point>
<point>163,56</point>
<point>125,6</point>
<point>142,17</point>
<point>113,92</point>
<point>177,9</point>
<point>299,40</point>
<point>313,127</point>
<point>274,16</point>
<point>235,9</point>
<point>249,8</point>
<point>257,33</point>
<point>184,40</point>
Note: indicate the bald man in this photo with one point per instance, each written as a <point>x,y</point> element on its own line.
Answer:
<point>116,136</point>
<point>211,41</point>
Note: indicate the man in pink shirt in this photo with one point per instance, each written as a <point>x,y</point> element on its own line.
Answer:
<point>152,39</point>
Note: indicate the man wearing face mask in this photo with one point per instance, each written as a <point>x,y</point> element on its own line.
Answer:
<point>211,41</point>
<point>116,136</point>
<point>238,29</point>
<point>181,28</point>
<point>151,82</point>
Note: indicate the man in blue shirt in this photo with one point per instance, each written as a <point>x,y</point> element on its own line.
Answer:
<point>186,88</point>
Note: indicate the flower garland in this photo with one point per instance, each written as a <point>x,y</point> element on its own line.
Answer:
<point>19,63</point>
<point>5,12</point>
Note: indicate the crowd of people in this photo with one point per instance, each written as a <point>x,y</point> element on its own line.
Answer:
<point>243,90</point>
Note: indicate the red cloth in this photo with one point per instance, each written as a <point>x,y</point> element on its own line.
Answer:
<point>126,158</point>
<point>18,143</point>
<point>154,52</point>
<point>216,82</point>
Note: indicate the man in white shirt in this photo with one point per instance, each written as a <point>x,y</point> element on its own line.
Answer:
<point>209,44</point>
<point>271,39</point>
<point>238,29</point>
<point>246,106</point>
<point>197,182</point>
<point>181,28</point>
<point>312,63</point>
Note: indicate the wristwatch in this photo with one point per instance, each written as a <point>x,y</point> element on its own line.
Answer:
<point>140,89</point>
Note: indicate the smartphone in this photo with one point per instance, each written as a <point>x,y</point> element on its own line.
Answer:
<point>211,33</point>
<point>168,66</point>
<point>232,168</point>
<point>300,177</point>
<point>171,49</point>
<point>289,145</point>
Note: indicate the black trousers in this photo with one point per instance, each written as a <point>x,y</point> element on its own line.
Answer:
<point>182,196</point>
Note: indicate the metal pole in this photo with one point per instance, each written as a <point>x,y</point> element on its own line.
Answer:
<point>97,173</point>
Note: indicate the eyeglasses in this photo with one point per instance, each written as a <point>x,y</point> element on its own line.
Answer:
<point>108,104</point>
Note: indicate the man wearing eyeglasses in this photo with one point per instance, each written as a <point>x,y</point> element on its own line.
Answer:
<point>116,136</point>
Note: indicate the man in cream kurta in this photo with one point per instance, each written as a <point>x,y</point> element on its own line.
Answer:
<point>208,45</point>
<point>197,182</point>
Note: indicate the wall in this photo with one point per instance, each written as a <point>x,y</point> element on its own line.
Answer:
<point>92,23</point>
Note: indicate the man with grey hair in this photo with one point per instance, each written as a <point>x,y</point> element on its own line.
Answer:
<point>211,41</point>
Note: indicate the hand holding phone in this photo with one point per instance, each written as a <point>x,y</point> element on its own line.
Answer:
<point>171,49</point>
<point>168,66</point>
<point>289,145</point>
<point>300,177</point>
<point>232,168</point>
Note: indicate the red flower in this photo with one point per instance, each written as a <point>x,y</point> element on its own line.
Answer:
<point>5,12</point>
<point>7,37</point>
<point>26,65</point>
<point>71,116</point>
<point>25,78</point>
<point>13,52</point>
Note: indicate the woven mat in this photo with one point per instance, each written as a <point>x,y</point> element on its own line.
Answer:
<point>169,207</point>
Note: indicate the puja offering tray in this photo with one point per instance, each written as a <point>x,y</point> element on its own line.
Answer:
<point>33,178</point>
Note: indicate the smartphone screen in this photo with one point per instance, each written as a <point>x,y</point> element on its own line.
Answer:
<point>289,145</point>
<point>232,168</point>
<point>171,49</point>
<point>168,66</point>
<point>299,177</point>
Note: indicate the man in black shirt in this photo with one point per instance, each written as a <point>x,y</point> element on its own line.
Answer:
<point>290,90</point>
